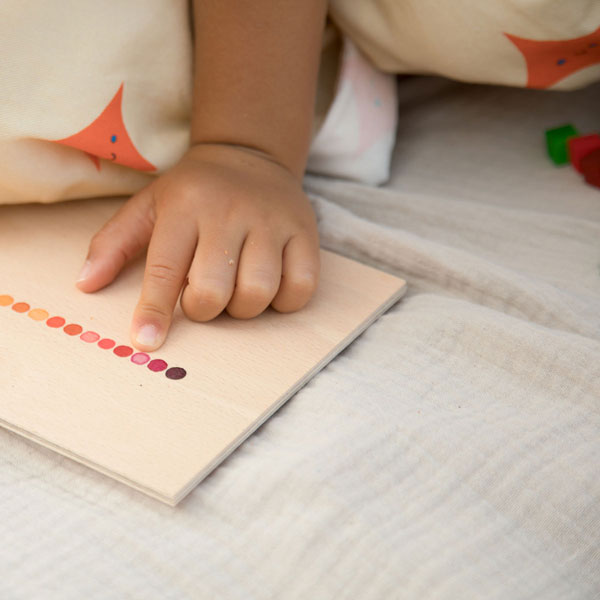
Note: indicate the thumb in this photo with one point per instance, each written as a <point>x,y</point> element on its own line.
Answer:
<point>126,233</point>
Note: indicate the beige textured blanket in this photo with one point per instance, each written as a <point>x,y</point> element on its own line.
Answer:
<point>451,452</point>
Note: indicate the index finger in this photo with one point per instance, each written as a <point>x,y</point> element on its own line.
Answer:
<point>170,253</point>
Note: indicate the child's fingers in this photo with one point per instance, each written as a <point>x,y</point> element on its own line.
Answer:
<point>258,276</point>
<point>120,239</point>
<point>169,255</point>
<point>299,275</point>
<point>213,272</point>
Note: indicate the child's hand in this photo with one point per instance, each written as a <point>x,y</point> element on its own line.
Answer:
<point>232,220</point>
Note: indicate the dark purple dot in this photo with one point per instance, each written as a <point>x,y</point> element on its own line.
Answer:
<point>593,45</point>
<point>561,61</point>
<point>175,373</point>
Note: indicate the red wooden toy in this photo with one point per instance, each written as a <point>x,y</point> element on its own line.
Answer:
<point>581,146</point>
<point>590,167</point>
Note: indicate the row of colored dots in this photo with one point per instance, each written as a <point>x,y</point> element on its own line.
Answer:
<point>138,358</point>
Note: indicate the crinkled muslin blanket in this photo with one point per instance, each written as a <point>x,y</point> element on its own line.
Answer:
<point>452,451</point>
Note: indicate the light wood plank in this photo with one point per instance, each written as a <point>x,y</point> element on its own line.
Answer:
<point>157,435</point>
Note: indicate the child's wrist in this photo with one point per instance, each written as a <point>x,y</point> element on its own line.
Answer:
<point>295,167</point>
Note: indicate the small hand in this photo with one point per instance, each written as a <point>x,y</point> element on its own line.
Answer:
<point>228,224</point>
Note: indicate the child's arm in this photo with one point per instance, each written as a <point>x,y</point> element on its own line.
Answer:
<point>231,215</point>
<point>255,75</point>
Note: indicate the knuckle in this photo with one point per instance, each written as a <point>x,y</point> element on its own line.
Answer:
<point>213,296</point>
<point>256,290</point>
<point>181,192</point>
<point>302,284</point>
<point>185,190</point>
<point>153,310</point>
<point>162,272</point>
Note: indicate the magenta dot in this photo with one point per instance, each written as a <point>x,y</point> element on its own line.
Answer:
<point>123,350</point>
<point>140,358</point>
<point>157,365</point>
<point>106,343</point>
<point>89,336</point>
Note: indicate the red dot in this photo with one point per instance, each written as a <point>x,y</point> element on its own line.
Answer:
<point>73,329</point>
<point>106,343</point>
<point>20,307</point>
<point>123,350</point>
<point>157,365</point>
<point>55,322</point>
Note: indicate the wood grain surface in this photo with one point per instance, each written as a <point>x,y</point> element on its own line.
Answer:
<point>155,434</point>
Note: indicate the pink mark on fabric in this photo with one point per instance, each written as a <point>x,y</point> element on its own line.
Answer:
<point>374,92</point>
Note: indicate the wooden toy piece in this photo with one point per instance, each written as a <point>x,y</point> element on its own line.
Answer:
<point>556,143</point>
<point>580,146</point>
<point>159,422</point>
<point>590,167</point>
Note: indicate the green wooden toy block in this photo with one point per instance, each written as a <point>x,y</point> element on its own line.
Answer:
<point>556,143</point>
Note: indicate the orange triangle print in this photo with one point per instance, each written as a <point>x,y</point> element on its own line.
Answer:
<point>549,61</point>
<point>106,137</point>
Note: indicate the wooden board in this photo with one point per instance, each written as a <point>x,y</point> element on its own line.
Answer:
<point>159,435</point>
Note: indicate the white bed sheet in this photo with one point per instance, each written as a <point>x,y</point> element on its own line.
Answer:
<point>451,452</point>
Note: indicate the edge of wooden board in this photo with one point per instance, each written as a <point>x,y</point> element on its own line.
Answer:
<point>173,500</point>
<point>299,384</point>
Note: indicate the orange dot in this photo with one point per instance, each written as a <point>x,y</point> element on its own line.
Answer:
<point>73,329</point>
<point>21,307</point>
<point>6,300</point>
<point>38,314</point>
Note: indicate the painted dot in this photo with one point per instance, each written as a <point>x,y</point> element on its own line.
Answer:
<point>106,343</point>
<point>55,322</point>
<point>593,45</point>
<point>175,373</point>
<point>89,336</point>
<point>140,358</point>
<point>377,101</point>
<point>38,314</point>
<point>157,365</point>
<point>73,329</point>
<point>561,61</point>
<point>21,307</point>
<point>123,350</point>
<point>5,300</point>
<point>113,139</point>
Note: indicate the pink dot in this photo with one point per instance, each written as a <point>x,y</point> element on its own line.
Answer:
<point>106,343</point>
<point>157,365</point>
<point>140,358</point>
<point>89,336</point>
<point>123,350</point>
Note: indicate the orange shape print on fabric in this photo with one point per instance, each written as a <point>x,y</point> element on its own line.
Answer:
<point>549,62</point>
<point>106,137</point>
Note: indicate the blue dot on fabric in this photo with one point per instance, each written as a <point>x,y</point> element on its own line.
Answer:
<point>113,139</point>
<point>593,45</point>
<point>377,102</point>
<point>561,61</point>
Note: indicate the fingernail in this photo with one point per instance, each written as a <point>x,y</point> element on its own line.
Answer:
<point>87,269</point>
<point>147,335</point>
